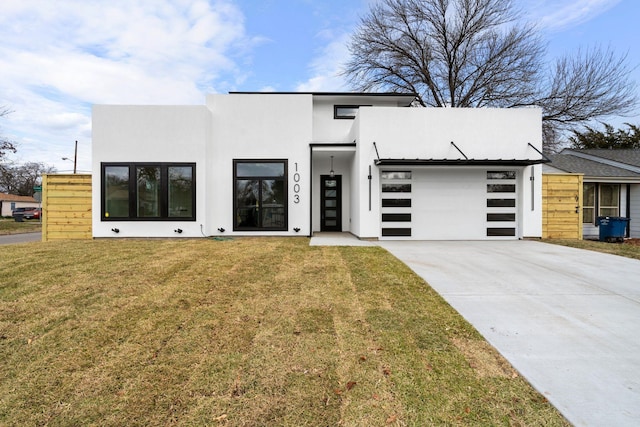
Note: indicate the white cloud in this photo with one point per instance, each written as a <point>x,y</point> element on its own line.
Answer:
<point>60,57</point>
<point>326,69</point>
<point>556,15</point>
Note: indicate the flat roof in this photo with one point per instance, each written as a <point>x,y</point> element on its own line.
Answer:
<point>328,93</point>
<point>405,98</point>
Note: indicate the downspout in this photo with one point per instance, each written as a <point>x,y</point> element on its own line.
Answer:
<point>596,203</point>
<point>628,210</point>
<point>310,191</point>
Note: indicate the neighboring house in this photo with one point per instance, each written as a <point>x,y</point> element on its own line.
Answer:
<point>8,203</point>
<point>611,184</point>
<point>291,164</point>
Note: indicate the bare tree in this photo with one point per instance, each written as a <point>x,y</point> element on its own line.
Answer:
<point>479,53</point>
<point>20,179</point>
<point>591,84</point>
<point>5,145</point>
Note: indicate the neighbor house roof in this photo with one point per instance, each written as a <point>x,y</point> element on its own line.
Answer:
<point>4,197</point>
<point>601,163</point>
<point>628,157</point>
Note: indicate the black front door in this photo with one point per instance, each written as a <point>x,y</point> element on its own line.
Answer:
<point>330,203</point>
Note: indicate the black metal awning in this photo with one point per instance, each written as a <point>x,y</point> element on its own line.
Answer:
<point>459,162</point>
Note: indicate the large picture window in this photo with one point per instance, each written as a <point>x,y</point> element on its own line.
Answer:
<point>148,191</point>
<point>260,195</point>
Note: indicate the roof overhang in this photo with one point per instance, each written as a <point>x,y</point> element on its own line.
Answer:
<point>401,98</point>
<point>612,179</point>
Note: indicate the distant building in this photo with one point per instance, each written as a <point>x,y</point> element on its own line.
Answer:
<point>8,203</point>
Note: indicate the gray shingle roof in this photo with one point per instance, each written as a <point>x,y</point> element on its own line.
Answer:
<point>629,157</point>
<point>570,163</point>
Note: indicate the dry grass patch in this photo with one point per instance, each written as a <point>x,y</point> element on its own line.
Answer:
<point>10,226</point>
<point>244,332</point>
<point>484,359</point>
<point>630,248</point>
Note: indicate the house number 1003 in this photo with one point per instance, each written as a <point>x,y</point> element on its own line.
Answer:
<point>296,186</point>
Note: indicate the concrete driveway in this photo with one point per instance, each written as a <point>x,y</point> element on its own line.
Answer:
<point>20,238</point>
<point>567,319</point>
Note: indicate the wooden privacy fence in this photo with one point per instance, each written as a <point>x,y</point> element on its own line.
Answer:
<point>562,206</point>
<point>66,207</point>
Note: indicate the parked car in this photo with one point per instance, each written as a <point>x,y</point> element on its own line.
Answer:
<point>27,213</point>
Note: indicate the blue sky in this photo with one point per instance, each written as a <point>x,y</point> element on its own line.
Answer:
<point>57,58</point>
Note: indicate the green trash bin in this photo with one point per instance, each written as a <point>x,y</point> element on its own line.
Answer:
<point>18,217</point>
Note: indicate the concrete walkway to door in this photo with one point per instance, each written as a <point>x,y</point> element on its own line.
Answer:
<point>567,319</point>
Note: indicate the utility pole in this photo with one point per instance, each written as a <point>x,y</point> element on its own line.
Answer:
<point>75,158</point>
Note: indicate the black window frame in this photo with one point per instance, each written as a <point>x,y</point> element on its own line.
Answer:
<point>345,106</point>
<point>133,191</point>
<point>284,178</point>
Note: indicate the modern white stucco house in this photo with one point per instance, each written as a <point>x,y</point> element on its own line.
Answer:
<point>298,163</point>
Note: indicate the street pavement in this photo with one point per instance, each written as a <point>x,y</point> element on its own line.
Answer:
<point>20,238</point>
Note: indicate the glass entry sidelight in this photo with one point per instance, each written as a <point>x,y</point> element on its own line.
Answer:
<point>330,203</point>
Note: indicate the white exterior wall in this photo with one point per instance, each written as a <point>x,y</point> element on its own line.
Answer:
<point>258,126</point>
<point>149,134</point>
<point>328,129</point>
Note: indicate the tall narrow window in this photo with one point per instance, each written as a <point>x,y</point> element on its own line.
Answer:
<point>588,202</point>
<point>609,199</point>
<point>116,192</point>
<point>148,195</point>
<point>180,191</point>
<point>260,195</point>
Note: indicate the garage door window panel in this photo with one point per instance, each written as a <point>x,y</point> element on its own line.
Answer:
<point>501,203</point>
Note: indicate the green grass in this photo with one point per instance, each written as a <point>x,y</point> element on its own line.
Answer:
<point>10,226</point>
<point>629,249</point>
<point>244,332</point>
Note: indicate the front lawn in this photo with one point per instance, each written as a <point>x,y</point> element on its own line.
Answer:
<point>243,332</point>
